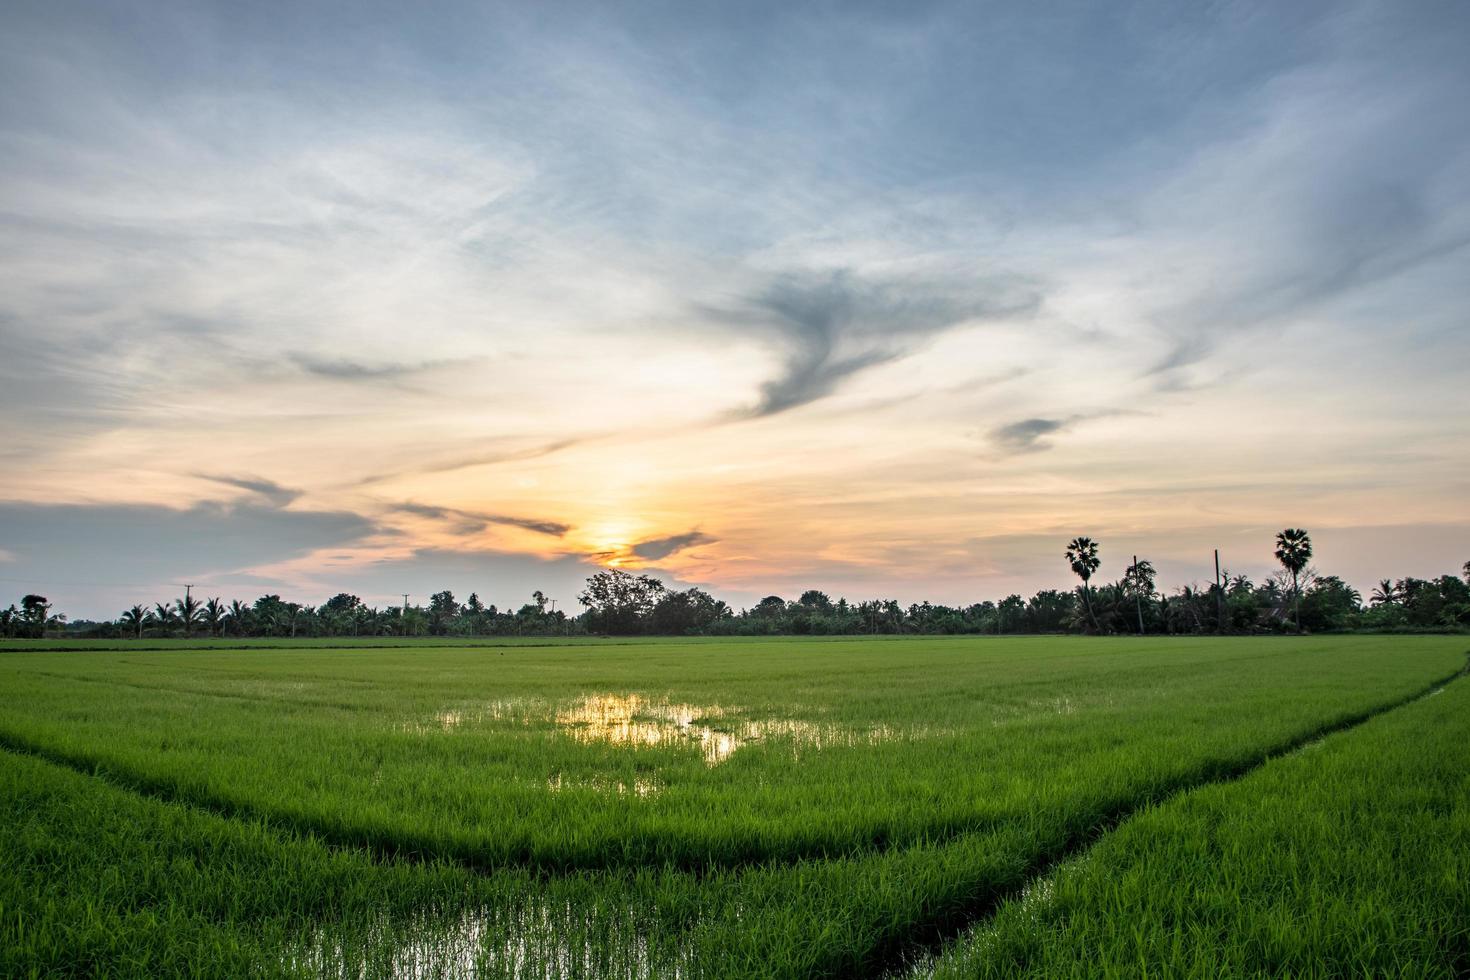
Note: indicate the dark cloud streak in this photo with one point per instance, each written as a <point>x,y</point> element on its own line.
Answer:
<point>476,520</point>
<point>835,325</point>
<point>654,549</point>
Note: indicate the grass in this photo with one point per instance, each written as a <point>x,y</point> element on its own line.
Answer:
<point>887,790</point>
<point>1350,857</point>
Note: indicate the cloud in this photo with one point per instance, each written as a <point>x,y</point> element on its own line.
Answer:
<point>141,549</point>
<point>482,459</point>
<point>1029,435</point>
<point>344,369</point>
<point>271,491</point>
<point>1025,436</point>
<point>654,549</point>
<point>473,519</point>
<point>831,326</point>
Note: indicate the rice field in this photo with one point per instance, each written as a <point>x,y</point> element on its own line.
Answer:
<point>734,808</point>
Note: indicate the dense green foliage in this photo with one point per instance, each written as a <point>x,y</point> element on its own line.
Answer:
<point>624,604</point>
<point>873,793</point>
<point>1348,858</point>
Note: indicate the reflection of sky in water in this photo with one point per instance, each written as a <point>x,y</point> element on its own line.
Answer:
<point>633,720</point>
<point>628,719</point>
<point>540,940</point>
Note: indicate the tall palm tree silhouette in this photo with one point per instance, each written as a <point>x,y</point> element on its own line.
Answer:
<point>1082,556</point>
<point>1294,550</point>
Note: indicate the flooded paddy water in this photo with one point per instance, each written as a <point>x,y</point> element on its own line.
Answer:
<point>716,732</point>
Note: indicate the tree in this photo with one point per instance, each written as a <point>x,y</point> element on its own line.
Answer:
<point>239,617</point>
<point>214,614</point>
<point>342,611</point>
<point>164,618</point>
<point>1138,582</point>
<point>268,613</point>
<point>1331,603</point>
<point>816,601</point>
<point>188,613</point>
<point>771,607</point>
<point>1385,594</point>
<point>35,614</point>
<point>618,602</point>
<point>1294,550</point>
<point>686,612</point>
<point>134,620</point>
<point>1082,556</point>
<point>293,616</point>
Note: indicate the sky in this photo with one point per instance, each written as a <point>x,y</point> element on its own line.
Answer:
<point>889,300</point>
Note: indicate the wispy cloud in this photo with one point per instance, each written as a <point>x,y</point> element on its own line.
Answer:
<point>1026,436</point>
<point>833,325</point>
<point>345,369</point>
<point>1031,435</point>
<point>268,490</point>
<point>479,459</point>
<point>655,549</point>
<point>560,245</point>
<point>475,520</point>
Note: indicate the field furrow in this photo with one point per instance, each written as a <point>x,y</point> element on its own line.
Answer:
<point>758,810</point>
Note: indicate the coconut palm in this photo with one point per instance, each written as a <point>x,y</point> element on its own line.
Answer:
<point>134,620</point>
<point>214,614</point>
<point>1294,550</point>
<point>1385,594</point>
<point>1139,582</point>
<point>188,613</point>
<point>293,616</point>
<point>1082,556</point>
<point>164,618</point>
<point>238,616</point>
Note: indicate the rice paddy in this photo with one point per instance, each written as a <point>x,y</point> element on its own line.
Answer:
<point>789,808</point>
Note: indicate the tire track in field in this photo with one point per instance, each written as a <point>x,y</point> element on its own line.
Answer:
<point>898,957</point>
<point>390,846</point>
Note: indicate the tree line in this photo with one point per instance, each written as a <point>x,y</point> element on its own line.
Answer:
<point>618,603</point>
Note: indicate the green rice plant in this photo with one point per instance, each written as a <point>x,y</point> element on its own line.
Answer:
<point>883,792</point>
<point>466,753</point>
<point>1350,857</point>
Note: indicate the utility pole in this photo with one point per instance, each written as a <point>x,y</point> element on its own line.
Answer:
<point>1138,594</point>
<point>405,603</point>
<point>1219,596</point>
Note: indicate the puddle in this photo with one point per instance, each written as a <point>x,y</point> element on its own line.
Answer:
<point>540,940</point>
<point>715,731</point>
<point>629,719</point>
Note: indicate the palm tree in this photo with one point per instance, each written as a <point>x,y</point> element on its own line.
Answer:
<point>293,611</point>
<point>1385,594</point>
<point>238,614</point>
<point>1140,581</point>
<point>188,608</point>
<point>1082,556</point>
<point>1294,550</point>
<point>133,620</point>
<point>214,614</point>
<point>164,617</point>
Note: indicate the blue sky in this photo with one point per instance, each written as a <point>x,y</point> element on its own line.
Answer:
<point>881,299</point>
